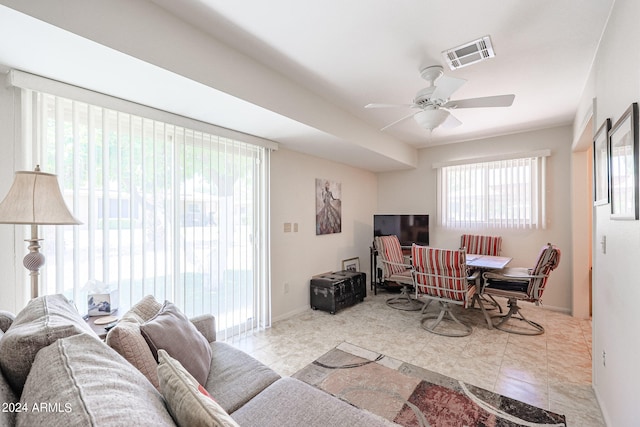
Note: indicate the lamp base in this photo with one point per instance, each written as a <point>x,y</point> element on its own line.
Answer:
<point>34,260</point>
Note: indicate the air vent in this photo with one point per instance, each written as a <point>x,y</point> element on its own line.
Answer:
<point>469,53</point>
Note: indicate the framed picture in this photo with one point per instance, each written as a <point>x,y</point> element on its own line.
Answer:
<point>601,165</point>
<point>623,165</point>
<point>351,264</point>
<point>328,206</point>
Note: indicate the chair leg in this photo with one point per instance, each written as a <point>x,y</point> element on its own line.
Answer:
<point>515,313</point>
<point>404,301</point>
<point>484,312</point>
<point>445,309</point>
<point>492,303</point>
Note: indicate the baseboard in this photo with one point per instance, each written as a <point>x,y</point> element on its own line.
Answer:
<point>605,416</point>
<point>563,310</point>
<point>290,314</point>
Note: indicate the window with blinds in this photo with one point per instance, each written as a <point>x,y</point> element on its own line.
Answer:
<point>166,210</point>
<point>505,193</point>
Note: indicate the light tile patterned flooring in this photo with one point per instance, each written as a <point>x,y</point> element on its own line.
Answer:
<point>551,371</point>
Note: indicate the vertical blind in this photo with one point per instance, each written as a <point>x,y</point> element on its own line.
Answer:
<point>167,210</point>
<point>505,193</point>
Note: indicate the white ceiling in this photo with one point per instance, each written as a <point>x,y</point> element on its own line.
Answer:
<point>358,52</point>
<point>345,54</point>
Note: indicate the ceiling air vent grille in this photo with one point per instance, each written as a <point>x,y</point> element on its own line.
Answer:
<point>469,53</point>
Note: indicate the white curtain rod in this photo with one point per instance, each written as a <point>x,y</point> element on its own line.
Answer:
<point>30,81</point>
<point>507,156</point>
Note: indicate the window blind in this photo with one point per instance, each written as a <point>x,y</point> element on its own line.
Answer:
<point>504,193</point>
<point>168,210</point>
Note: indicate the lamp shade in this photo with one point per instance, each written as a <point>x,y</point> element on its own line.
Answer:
<point>35,198</point>
<point>431,118</point>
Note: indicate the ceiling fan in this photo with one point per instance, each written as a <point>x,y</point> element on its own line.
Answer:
<point>433,101</point>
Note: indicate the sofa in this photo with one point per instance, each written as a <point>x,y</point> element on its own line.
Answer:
<point>156,368</point>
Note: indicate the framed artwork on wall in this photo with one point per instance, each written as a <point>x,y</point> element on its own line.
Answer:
<point>623,165</point>
<point>328,207</point>
<point>601,177</point>
<point>351,264</point>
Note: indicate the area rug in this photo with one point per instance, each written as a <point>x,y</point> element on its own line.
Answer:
<point>412,396</point>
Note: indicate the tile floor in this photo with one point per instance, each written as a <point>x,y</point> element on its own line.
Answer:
<point>551,371</point>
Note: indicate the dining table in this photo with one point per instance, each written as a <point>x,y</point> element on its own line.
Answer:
<point>483,263</point>
<point>487,262</point>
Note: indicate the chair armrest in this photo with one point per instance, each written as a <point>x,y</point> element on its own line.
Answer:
<point>511,274</point>
<point>206,325</point>
<point>474,276</point>
<point>407,266</point>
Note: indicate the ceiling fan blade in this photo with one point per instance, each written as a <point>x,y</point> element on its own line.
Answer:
<point>487,101</point>
<point>445,86</point>
<point>451,122</point>
<point>388,105</point>
<point>408,116</point>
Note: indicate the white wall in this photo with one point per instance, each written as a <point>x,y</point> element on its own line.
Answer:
<point>415,192</point>
<point>615,83</point>
<point>295,257</point>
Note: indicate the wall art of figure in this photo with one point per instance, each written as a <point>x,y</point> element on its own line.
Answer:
<point>328,207</point>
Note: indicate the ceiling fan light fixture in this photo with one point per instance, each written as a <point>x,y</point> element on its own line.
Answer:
<point>469,53</point>
<point>431,119</point>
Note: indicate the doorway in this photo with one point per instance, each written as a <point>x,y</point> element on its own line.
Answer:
<point>582,221</point>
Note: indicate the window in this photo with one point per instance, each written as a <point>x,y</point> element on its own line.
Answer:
<point>502,193</point>
<point>168,210</point>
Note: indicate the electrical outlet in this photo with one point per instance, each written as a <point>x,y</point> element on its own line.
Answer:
<point>604,358</point>
<point>286,287</point>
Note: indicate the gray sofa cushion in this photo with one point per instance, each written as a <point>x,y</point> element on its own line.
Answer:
<point>87,383</point>
<point>43,321</point>
<point>6,319</point>
<point>290,402</point>
<point>8,397</point>
<point>235,377</point>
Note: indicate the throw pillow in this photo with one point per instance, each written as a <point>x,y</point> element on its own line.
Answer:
<point>125,338</point>
<point>43,321</point>
<point>6,319</point>
<point>80,381</point>
<point>146,308</point>
<point>172,331</point>
<point>188,402</point>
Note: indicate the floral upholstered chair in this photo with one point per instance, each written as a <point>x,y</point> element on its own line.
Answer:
<point>395,269</point>
<point>441,275</point>
<point>524,284</point>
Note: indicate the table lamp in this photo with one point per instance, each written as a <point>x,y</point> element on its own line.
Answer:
<point>35,199</point>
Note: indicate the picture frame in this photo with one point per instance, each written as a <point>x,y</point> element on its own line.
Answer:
<point>328,195</point>
<point>623,165</point>
<point>601,174</point>
<point>351,264</point>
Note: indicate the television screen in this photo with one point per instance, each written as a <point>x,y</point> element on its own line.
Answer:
<point>409,228</point>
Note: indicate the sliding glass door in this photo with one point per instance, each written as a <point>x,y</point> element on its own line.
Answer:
<point>166,209</point>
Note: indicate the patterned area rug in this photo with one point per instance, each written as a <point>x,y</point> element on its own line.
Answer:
<point>413,396</point>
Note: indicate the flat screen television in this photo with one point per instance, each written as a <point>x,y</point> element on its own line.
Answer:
<point>409,228</point>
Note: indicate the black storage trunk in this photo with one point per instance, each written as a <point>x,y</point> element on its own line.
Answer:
<point>334,291</point>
